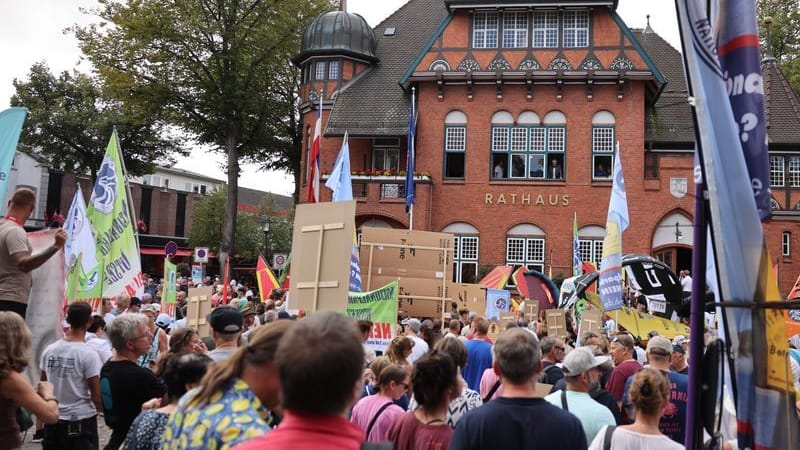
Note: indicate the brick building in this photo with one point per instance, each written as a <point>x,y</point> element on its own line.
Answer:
<point>520,105</point>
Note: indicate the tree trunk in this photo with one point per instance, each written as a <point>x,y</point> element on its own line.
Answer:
<point>231,206</point>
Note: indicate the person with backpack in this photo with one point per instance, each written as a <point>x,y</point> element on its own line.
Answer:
<point>376,413</point>
<point>553,350</point>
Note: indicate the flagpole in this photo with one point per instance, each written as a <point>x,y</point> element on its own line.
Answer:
<point>411,158</point>
<point>130,196</point>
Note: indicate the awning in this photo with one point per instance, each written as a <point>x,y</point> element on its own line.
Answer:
<point>160,251</point>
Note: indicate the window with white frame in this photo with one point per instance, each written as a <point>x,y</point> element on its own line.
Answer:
<point>484,30</point>
<point>319,70</point>
<point>515,29</point>
<point>545,29</point>
<point>576,29</point>
<point>525,246</point>
<point>776,168</point>
<point>786,246</point>
<point>465,251</point>
<point>386,154</point>
<point>602,145</point>
<point>590,244</point>
<point>794,171</point>
<point>528,150</point>
<point>455,144</point>
<point>333,70</point>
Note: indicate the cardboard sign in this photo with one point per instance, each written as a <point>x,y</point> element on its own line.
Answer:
<point>469,296</point>
<point>321,245</point>
<point>591,321</point>
<point>198,309</point>
<point>531,310</point>
<point>556,323</point>
<point>495,327</point>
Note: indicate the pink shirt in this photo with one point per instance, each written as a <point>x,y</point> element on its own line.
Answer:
<point>366,408</point>
<point>307,432</point>
<point>488,379</point>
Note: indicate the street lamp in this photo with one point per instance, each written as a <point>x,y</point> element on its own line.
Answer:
<point>265,229</point>
<point>678,233</point>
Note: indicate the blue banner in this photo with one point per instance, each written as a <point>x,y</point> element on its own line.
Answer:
<point>11,121</point>
<point>497,301</point>
<point>609,285</point>
<point>411,157</point>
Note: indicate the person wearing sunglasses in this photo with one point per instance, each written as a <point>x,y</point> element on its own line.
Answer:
<point>376,413</point>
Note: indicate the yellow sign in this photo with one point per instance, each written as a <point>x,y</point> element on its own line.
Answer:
<point>639,323</point>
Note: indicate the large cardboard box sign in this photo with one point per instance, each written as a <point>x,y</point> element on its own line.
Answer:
<point>469,296</point>
<point>197,310</point>
<point>556,323</point>
<point>321,245</point>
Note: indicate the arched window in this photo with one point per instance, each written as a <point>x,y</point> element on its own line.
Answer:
<point>526,149</point>
<point>465,251</point>
<point>525,246</point>
<point>603,138</point>
<point>455,144</point>
<point>590,244</point>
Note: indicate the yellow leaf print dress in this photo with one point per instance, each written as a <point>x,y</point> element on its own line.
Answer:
<point>233,416</point>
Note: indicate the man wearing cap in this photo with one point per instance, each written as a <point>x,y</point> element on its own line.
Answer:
<point>582,374</point>
<point>517,419</point>
<point>412,327</point>
<point>226,326</point>
<point>624,366</point>
<point>677,362</point>
<point>673,422</point>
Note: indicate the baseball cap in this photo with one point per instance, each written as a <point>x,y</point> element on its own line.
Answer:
<point>580,360</point>
<point>659,345</point>
<point>226,319</point>
<point>149,308</point>
<point>248,311</point>
<point>678,349</point>
<point>680,340</point>
<point>136,301</point>
<point>415,324</point>
<point>163,320</point>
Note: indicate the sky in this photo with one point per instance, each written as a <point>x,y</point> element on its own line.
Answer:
<point>34,30</point>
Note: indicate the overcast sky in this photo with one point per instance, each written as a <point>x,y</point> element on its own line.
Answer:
<point>33,30</point>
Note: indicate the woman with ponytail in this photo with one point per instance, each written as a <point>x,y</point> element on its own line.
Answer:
<point>235,399</point>
<point>649,394</point>
<point>376,413</point>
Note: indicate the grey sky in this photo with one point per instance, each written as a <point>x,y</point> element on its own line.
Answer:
<point>33,30</point>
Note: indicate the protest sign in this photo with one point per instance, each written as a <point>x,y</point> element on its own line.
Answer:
<point>198,309</point>
<point>498,301</point>
<point>380,307</point>
<point>468,296</point>
<point>556,323</point>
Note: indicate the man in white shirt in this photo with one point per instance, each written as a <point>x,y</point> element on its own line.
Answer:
<point>73,367</point>
<point>96,338</point>
<point>686,283</point>
<point>411,328</point>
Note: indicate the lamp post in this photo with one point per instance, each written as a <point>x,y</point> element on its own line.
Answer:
<point>265,229</point>
<point>678,233</point>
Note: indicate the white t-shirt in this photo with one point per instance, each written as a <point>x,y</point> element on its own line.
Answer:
<point>68,366</point>
<point>686,284</point>
<point>629,440</point>
<point>420,348</point>
<point>108,318</point>
<point>101,345</point>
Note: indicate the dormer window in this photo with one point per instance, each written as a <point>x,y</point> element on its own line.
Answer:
<point>545,29</point>
<point>484,33</point>
<point>576,29</point>
<point>319,73</point>
<point>515,29</point>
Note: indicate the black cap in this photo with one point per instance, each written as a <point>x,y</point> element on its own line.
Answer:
<point>136,301</point>
<point>226,319</point>
<point>678,349</point>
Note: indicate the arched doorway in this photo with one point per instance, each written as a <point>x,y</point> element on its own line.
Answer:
<point>673,241</point>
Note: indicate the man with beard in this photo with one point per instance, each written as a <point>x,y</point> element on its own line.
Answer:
<point>582,375</point>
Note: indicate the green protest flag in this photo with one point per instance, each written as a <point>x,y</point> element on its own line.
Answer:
<point>380,307</point>
<point>170,283</point>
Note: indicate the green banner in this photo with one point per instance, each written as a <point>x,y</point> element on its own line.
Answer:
<point>110,216</point>
<point>170,292</point>
<point>380,307</point>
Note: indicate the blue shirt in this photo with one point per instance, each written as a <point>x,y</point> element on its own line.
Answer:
<point>479,358</point>
<point>673,422</point>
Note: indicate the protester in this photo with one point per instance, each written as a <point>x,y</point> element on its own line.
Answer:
<point>479,354</point>
<point>370,379</point>
<point>677,361</point>
<point>412,327</point>
<point>376,413</point>
<point>16,258</point>
<point>15,389</point>
<point>181,305</point>
<point>107,310</point>
<point>468,399</point>
<point>320,361</point>
<point>582,375</point>
<point>159,343</point>
<point>365,327</point>
<point>97,339</point>
<point>435,384</point>
<point>453,328</point>
<point>181,373</point>
<point>123,304</point>
<point>624,366</point>
<point>164,321</point>
<point>491,386</point>
<point>124,384</point>
<point>673,421</point>
<point>552,354</point>
<point>399,349</point>
<point>518,420</point>
<point>234,400</point>
<point>182,341</point>
<point>226,327</point>
<point>649,392</point>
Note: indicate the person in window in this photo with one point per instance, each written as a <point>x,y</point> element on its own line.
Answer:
<point>601,172</point>
<point>500,169</point>
<point>554,172</point>
<point>539,171</point>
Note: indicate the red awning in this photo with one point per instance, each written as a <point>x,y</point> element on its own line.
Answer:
<point>160,251</point>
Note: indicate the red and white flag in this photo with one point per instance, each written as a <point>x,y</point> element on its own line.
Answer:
<point>313,185</point>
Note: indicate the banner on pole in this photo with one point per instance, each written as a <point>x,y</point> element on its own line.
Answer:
<point>380,307</point>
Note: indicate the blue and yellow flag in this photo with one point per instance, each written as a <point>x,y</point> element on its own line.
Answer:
<point>609,284</point>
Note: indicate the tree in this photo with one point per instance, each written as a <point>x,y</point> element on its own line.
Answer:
<point>281,226</point>
<point>70,120</point>
<point>208,223</point>
<point>208,67</point>
<point>784,44</point>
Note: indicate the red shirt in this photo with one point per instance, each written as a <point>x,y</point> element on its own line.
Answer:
<point>616,381</point>
<point>307,432</point>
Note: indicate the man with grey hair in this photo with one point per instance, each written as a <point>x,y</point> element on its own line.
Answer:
<point>411,326</point>
<point>126,386</point>
<point>123,303</point>
<point>507,422</point>
<point>552,353</point>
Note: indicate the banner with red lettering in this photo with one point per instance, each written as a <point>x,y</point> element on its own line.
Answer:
<point>380,307</point>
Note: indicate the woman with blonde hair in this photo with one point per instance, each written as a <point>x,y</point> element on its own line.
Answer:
<point>399,350</point>
<point>182,341</point>
<point>15,391</point>
<point>649,394</point>
<point>235,399</point>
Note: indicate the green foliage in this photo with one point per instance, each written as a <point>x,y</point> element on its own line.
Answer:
<point>785,35</point>
<point>207,223</point>
<point>281,226</point>
<point>70,121</point>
